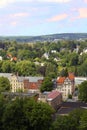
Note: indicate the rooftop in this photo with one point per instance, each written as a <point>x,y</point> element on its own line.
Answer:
<point>61,80</point>
<point>52,95</point>
<point>67,107</point>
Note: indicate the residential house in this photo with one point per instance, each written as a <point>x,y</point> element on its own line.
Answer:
<point>84,51</point>
<point>1,58</point>
<point>66,85</point>
<point>46,55</point>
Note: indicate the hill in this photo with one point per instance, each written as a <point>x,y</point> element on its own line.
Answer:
<point>52,37</point>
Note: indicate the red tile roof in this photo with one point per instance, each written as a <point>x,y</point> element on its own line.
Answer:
<point>53,94</point>
<point>71,76</point>
<point>14,58</point>
<point>33,86</point>
<point>9,55</point>
<point>61,80</point>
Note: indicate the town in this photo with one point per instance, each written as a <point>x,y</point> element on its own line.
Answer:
<point>43,81</point>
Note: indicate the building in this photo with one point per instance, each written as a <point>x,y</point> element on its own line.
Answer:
<point>66,85</point>
<point>17,84</point>
<point>1,58</point>
<point>21,84</point>
<point>11,95</point>
<point>79,80</point>
<point>6,75</point>
<point>32,84</point>
<point>54,99</point>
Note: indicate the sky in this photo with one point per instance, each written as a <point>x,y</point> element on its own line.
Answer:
<point>42,17</point>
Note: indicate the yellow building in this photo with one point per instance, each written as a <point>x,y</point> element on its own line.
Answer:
<point>17,84</point>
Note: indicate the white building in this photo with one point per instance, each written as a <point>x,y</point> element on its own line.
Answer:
<point>66,85</point>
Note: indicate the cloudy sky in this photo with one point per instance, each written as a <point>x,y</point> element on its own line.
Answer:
<point>40,17</point>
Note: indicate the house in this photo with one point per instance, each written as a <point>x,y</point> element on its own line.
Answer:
<point>54,99</point>
<point>84,51</point>
<point>66,85</point>
<point>53,51</point>
<point>1,58</point>
<point>46,55</point>
<point>32,84</point>
<point>16,83</point>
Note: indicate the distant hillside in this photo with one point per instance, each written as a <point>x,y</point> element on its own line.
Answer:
<point>65,36</point>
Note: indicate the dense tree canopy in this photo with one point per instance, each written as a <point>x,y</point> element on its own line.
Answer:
<point>65,53</point>
<point>4,84</point>
<point>83,91</point>
<point>47,85</point>
<point>83,121</point>
<point>25,114</point>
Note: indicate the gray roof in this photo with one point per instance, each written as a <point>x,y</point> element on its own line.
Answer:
<point>7,75</point>
<point>31,79</point>
<point>21,78</point>
<point>34,79</point>
<point>19,94</point>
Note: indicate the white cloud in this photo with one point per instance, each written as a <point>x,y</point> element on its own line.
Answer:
<point>4,3</point>
<point>57,1</point>
<point>19,15</point>
<point>58,17</point>
<point>14,23</point>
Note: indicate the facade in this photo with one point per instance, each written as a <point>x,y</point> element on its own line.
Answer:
<point>25,84</point>
<point>54,99</point>
<point>32,84</point>
<point>17,84</point>
<point>66,85</point>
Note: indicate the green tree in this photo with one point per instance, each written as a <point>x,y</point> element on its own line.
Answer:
<point>25,114</point>
<point>2,108</point>
<point>74,59</point>
<point>13,117</point>
<point>8,66</point>
<point>47,85</point>
<point>76,115</point>
<point>83,121</point>
<point>83,91</point>
<point>39,115</point>
<point>4,84</point>
<point>25,68</point>
<point>64,72</point>
<point>53,67</point>
<point>63,123</point>
<point>82,70</point>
